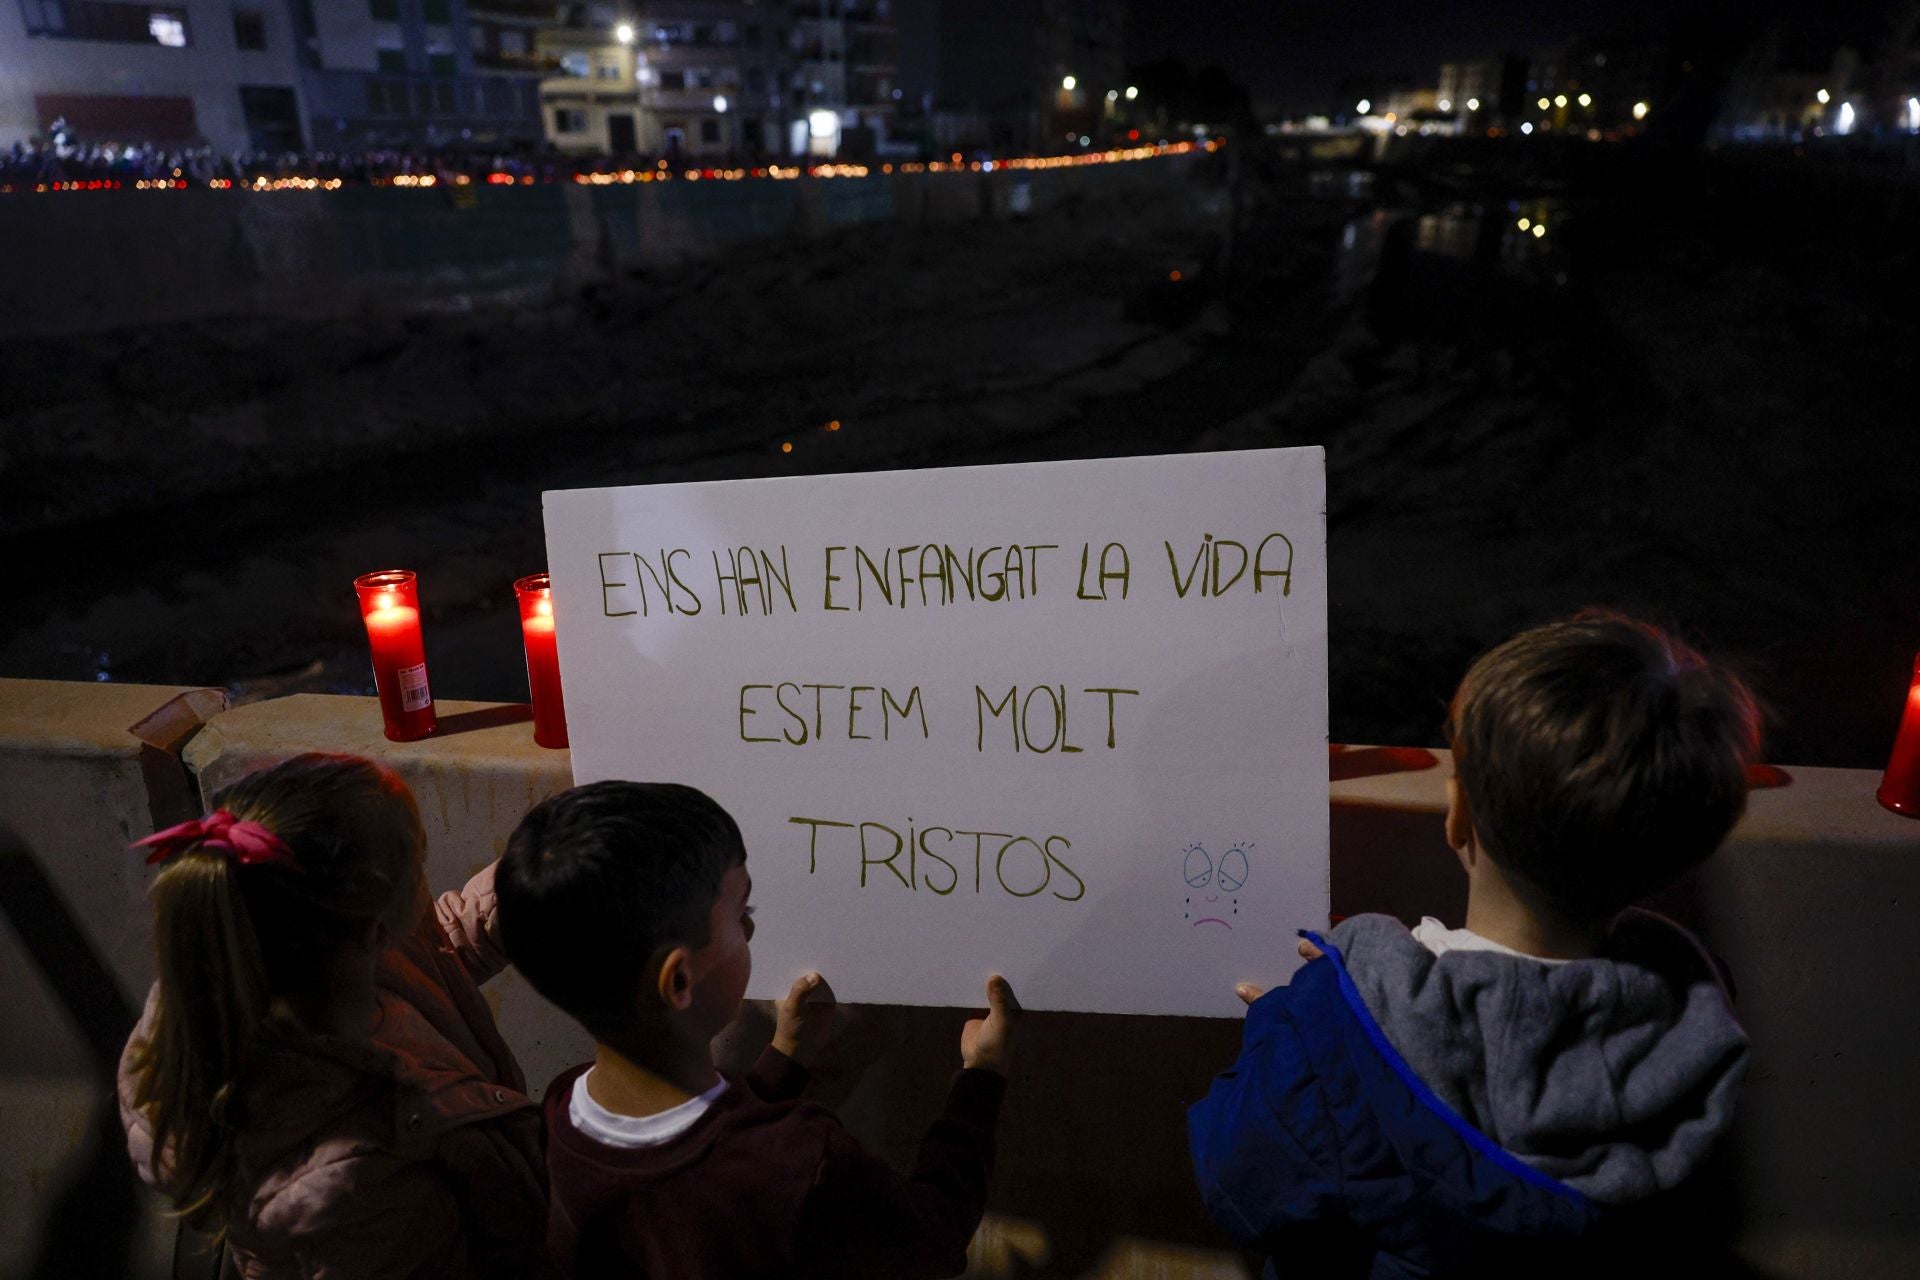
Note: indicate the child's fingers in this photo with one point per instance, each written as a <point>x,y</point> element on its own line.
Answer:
<point>1308,951</point>
<point>801,986</point>
<point>1248,993</point>
<point>1000,997</point>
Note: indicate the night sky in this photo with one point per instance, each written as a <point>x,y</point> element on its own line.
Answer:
<point>1306,56</point>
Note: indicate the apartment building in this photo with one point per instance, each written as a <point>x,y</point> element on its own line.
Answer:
<point>699,79</point>
<point>182,71</point>
<point>420,73</point>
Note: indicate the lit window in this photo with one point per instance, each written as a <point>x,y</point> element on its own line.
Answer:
<point>576,63</point>
<point>168,27</point>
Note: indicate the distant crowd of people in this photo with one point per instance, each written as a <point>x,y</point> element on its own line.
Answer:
<point>45,163</point>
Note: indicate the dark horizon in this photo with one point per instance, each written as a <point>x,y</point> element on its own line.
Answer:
<point>1297,59</point>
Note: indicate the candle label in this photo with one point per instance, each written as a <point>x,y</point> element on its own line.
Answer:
<point>413,688</point>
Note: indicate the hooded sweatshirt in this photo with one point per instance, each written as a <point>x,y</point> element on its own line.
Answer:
<point>1399,1113</point>
<point>414,1153</point>
<point>765,1187</point>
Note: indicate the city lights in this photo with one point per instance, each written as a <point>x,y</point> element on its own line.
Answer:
<point>1543,104</point>
<point>1823,97</point>
<point>822,124</point>
<point>1560,101</point>
<point>1446,104</point>
<point>660,173</point>
<point>720,103</point>
<point>1525,223</point>
<point>1133,91</point>
<point>1069,83</point>
<point>1845,121</point>
<point>1113,95</point>
<point>1363,107</point>
<point>1473,104</point>
<point>1539,229</point>
<point>1639,111</point>
<point>624,33</point>
<point>1586,99</point>
<point>1913,115</point>
<point>1526,126</point>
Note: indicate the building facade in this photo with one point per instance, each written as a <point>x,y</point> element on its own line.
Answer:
<point>844,62</point>
<point>273,75</point>
<point>184,71</point>
<point>670,78</point>
<point>718,79</point>
<point>1028,75</point>
<point>420,73</point>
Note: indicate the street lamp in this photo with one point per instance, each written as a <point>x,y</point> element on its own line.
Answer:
<point>1560,101</point>
<point>1069,83</point>
<point>1586,99</point>
<point>1823,97</point>
<point>1133,91</point>
<point>1473,104</point>
<point>1639,111</point>
<point>624,33</point>
<point>1113,95</point>
<point>1363,107</point>
<point>720,103</point>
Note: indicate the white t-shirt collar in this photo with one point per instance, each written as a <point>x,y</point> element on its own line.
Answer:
<point>616,1130</point>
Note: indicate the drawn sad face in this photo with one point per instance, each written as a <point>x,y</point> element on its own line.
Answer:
<point>1213,884</point>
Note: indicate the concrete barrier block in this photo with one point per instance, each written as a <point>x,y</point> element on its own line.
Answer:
<point>79,785</point>
<point>84,771</point>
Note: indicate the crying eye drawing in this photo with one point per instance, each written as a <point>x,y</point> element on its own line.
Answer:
<point>1199,866</point>
<point>1233,869</point>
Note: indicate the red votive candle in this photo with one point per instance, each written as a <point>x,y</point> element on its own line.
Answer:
<point>1900,785</point>
<point>390,606</point>
<point>535,593</point>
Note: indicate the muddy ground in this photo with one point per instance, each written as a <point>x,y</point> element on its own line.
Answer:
<point>1692,400</point>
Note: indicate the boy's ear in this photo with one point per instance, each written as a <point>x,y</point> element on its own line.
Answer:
<point>1460,825</point>
<point>675,984</point>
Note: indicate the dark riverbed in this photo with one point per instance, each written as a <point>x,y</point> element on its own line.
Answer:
<point>1687,398</point>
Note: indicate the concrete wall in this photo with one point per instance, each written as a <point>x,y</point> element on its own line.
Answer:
<point>100,260</point>
<point>1810,904</point>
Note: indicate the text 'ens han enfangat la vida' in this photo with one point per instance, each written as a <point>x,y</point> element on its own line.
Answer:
<point>1040,719</point>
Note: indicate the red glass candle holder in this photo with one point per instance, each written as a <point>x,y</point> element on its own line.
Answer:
<point>390,606</point>
<point>535,593</point>
<point>1900,785</point>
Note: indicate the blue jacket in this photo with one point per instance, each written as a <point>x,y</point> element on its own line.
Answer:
<point>1399,1114</point>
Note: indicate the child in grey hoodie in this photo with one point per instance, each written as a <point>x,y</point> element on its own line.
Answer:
<point>1524,1095</point>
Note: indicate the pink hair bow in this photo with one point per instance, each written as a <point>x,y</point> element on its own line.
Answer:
<point>248,842</point>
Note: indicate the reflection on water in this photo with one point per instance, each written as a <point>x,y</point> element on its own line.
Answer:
<point>1340,184</point>
<point>1514,237</point>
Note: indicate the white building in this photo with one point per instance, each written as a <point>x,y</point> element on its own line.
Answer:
<point>222,71</point>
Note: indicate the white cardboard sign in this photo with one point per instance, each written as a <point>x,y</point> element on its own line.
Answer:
<point>1066,721</point>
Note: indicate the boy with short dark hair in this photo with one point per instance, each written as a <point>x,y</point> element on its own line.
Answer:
<point>1480,1101</point>
<point>626,904</point>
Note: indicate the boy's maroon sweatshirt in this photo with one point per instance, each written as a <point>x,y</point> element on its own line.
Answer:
<point>764,1185</point>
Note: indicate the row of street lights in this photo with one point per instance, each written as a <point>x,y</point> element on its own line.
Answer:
<point>1585,101</point>
<point>1070,83</point>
